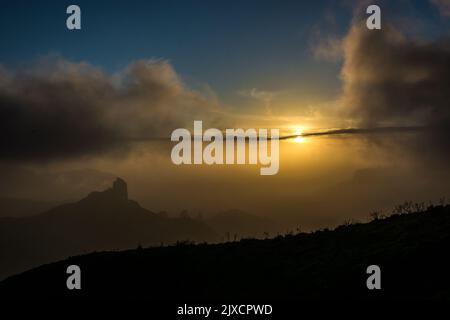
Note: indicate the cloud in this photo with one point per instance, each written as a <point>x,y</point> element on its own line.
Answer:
<point>443,6</point>
<point>325,42</point>
<point>264,96</point>
<point>328,49</point>
<point>59,109</point>
<point>389,79</point>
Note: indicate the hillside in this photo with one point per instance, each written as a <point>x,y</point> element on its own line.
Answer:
<point>105,220</point>
<point>411,250</point>
<point>236,224</point>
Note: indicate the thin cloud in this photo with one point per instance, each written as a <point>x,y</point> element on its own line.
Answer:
<point>264,96</point>
<point>328,49</point>
<point>443,6</point>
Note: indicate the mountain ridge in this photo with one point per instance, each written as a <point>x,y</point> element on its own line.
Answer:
<point>409,248</point>
<point>104,220</point>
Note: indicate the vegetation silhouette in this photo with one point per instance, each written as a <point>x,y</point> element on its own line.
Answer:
<point>410,248</point>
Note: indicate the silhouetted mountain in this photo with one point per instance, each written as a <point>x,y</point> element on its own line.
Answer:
<point>15,207</point>
<point>102,221</point>
<point>410,249</point>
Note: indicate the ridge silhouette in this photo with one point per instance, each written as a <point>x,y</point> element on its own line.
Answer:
<point>409,248</point>
<point>105,220</point>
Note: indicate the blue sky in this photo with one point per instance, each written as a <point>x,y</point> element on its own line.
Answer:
<point>227,45</point>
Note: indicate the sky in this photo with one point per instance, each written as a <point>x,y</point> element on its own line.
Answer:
<point>226,45</point>
<point>137,70</point>
<point>230,47</point>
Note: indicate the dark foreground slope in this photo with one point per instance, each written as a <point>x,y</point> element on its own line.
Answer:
<point>412,251</point>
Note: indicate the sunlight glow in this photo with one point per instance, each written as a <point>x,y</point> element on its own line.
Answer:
<point>299,131</point>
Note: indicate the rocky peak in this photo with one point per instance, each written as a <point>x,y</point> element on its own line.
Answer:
<point>118,192</point>
<point>120,189</point>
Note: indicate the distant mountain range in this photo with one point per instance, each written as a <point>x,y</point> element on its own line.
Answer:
<point>105,220</point>
<point>409,248</point>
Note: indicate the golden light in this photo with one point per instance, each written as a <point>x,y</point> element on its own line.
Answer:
<point>298,132</point>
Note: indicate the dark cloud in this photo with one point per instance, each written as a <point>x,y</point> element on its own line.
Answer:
<point>57,108</point>
<point>361,131</point>
<point>390,80</point>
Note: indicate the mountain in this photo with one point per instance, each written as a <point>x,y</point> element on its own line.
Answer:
<point>410,249</point>
<point>105,220</point>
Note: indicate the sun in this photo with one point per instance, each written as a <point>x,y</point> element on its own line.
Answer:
<point>298,132</point>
